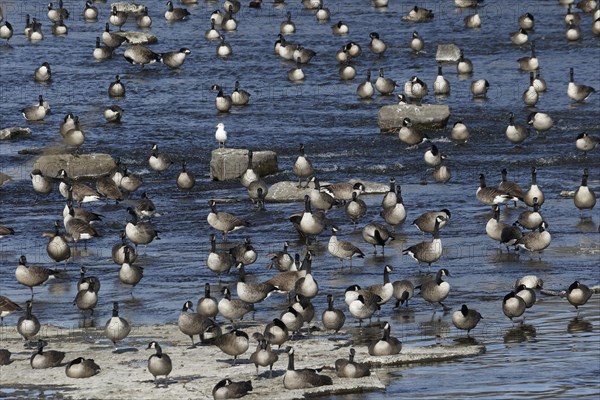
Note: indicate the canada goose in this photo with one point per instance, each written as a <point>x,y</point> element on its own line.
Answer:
<point>222,221</point>
<point>426,221</point>
<point>341,249</point>
<point>442,173</point>
<point>102,52</point>
<point>175,59</point>
<point>287,26</point>
<point>282,260</point>
<point>340,28</point>
<point>464,65</point>
<point>527,294</point>
<point>530,95</point>
<point>472,21</point>
<point>212,33</point>
<point>76,191</point>
<point>409,135</point>
<point>276,332</point>
<point>32,275</point>
<point>584,198</point>
<point>144,207</point>
<point>228,389</point>
<point>285,49</point>
<point>292,319</point>
<point>441,85</point>
<point>140,55</point>
<point>249,174</point>
<point>117,18</point>
<point>355,208</point>
<point>45,359</point>
<point>40,183</point>
<point>534,191</point>
<point>479,88</point>
<point>175,14</point>
<point>302,167</point>
<point>390,198</point>
<point>57,248</point>
<point>365,90</point>
<point>304,307</point>
<point>90,13</point>
<point>403,291</point>
<point>159,161</point>
<point>223,102</point>
<point>531,219</point>
<point>362,308</point>
<point>352,293</point>
<point>207,306</point>
<point>416,89</point>
<point>43,73</point>
<point>5,354</point>
<point>304,54</point>
<point>54,14</point>
<point>109,189</point>
<point>35,113</point>
<point>87,299</point>
<point>85,282</point>
<point>233,309</point>
<point>234,343</point>
<point>323,14</point>
<point>588,6</point>
<point>526,21</point>
<point>35,33</point>
<point>6,31</point>
<point>428,251</point>
<point>332,318</point>
<point>515,133</point>
<point>116,328</point>
<point>466,3</point>
<point>112,40</point>
<point>130,182</point>
<point>578,92</point>
<point>229,23</point>
<point>144,20</point>
<point>130,274</point>
<point>417,14</point>
<point>510,187</point>
<point>385,290</point>
<point>307,286</point>
<point>257,191</point>
<point>309,223</point>
<point>536,241</point>
<point>185,180</point>
<point>347,72</point>
<point>218,262</point>
<point>572,33</point>
<point>384,85</point>
<point>529,63</point>
<point>519,37</point>
<point>113,113</point>
<point>139,232</point>
<point>377,235</point>
<point>530,281</point>
<point>7,307</point>
<point>489,195</point>
<point>348,368</point>
<point>416,42</point>
<point>223,48</point>
<point>286,281</point>
<point>296,73</point>
<point>595,26</point>
<point>395,214</point>
<point>376,44</point>
<point>510,235</point>
<point>191,324</point>
<point>28,325</point>
<point>586,142</point>
<point>466,318</point>
<point>343,54</point>
<point>494,227</point>
<point>387,345</point>
<point>80,213</point>
<point>321,198</point>
<point>538,82</point>
<point>252,292</point>
<point>159,364</point>
<point>436,290</point>
<point>116,88</point>
<point>264,356</point>
<point>578,294</point>
<point>302,378</point>
<point>540,121</point>
<point>82,368</point>
<point>513,306</point>
<point>74,137</point>
<point>239,97</point>
<point>27,30</point>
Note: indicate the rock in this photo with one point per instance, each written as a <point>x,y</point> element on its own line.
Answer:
<point>567,193</point>
<point>447,53</point>
<point>226,164</point>
<point>84,166</point>
<point>137,37</point>
<point>4,178</point>
<point>14,132</point>
<point>286,191</point>
<point>428,116</point>
<point>129,8</point>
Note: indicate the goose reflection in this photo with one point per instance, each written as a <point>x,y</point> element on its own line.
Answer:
<point>579,325</point>
<point>520,334</point>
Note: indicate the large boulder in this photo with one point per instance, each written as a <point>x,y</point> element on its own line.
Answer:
<point>14,132</point>
<point>129,8</point>
<point>449,53</point>
<point>288,191</point>
<point>83,166</point>
<point>227,163</point>
<point>428,116</point>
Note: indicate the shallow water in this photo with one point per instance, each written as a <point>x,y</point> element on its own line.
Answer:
<point>175,109</point>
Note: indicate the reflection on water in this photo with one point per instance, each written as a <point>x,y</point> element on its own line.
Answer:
<point>579,325</point>
<point>520,333</point>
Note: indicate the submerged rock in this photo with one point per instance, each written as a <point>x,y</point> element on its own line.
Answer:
<point>129,8</point>
<point>83,166</point>
<point>447,53</point>
<point>4,178</point>
<point>14,132</point>
<point>286,191</point>
<point>428,116</point>
<point>227,164</point>
<point>134,37</point>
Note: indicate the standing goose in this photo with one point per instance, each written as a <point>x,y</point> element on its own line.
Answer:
<point>365,90</point>
<point>6,31</point>
<point>207,306</point>
<point>286,281</point>
<point>221,134</point>
<point>302,378</point>
<point>513,306</point>
<point>185,180</point>
<point>233,309</point>
<point>377,235</point>
<point>586,142</point>
<point>55,14</point>
<point>355,208</point>
<point>584,198</point>
<point>578,294</point>
<point>87,299</point>
<point>320,198</point>
<point>416,89</point>
<point>159,364</point>
<point>107,187</point>
<point>307,286</point>
<point>385,86</point>
<point>144,207</point>
<point>116,328</point>
<point>428,252</point>
<point>175,14</point>
<point>536,241</point>
<point>175,59</point>
<point>82,368</point>
<point>442,173</point>
<point>264,356</point>
<point>159,161</point>
<point>377,45</point>
<point>249,175</point>
<point>385,290</point>
<point>239,97</point>
<point>229,23</point>
<point>282,260</point>
<point>527,294</point>
<point>35,113</point>
<point>529,63</point>
<point>332,318</point>
<point>40,183</point>
<point>276,332</point>
<point>218,261</point>
<point>387,345</point>
<point>228,389</point>
<point>32,275</point>
<point>191,324</point>
<point>139,232</point>
<point>510,187</point>
<point>292,319</point>
<point>489,195</point>
<point>7,307</point>
<point>252,292</point>
<point>426,221</point>
<point>348,368</point>
<point>57,248</point>
<point>74,137</point>
<point>578,92</point>
<point>45,359</point>
<point>85,282</point>
<point>531,219</point>
<point>310,224</point>
<point>538,82</point>
<point>466,318</point>
<point>403,291</point>
<point>302,167</point>
<point>515,133</point>
<point>534,191</point>
<point>81,213</point>
<point>304,308</point>
<point>28,325</point>
<point>510,234</point>
<point>234,343</point>
<point>363,308</point>
<point>341,249</point>
<point>222,221</point>
<point>118,250</point>
<point>130,274</point>
<point>130,182</point>
<point>395,214</point>
<point>389,198</point>
<point>140,55</point>
<point>144,20</point>
<point>116,88</point>
<point>296,73</point>
<point>433,157</point>
<point>436,290</point>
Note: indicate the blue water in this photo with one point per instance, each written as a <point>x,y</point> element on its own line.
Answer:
<point>176,110</point>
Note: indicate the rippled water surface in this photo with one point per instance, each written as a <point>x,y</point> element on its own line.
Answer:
<point>555,353</point>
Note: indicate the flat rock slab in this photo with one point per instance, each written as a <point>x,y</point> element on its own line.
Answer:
<point>134,37</point>
<point>449,53</point>
<point>4,178</point>
<point>14,132</point>
<point>129,8</point>
<point>84,166</point>
<point>288,191</point>
<point>428,116</point>
<point>227,164</point>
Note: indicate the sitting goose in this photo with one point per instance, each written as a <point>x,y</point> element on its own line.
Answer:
<point>140,55</point>
<point>32,275</point>
<point>489,195</point>
<point>436,290</point>
<point>139,232</point>
<point>341,249</point>
<point>385,290</point>
<point>252,292</point>
<point>534,191</point>
<point>239,97</point>
<point>348,368</point>
<point>223,221</point>
<point>234,343</point>
<point>116,88</point>
<point>282,260</point>
<point>7,307</point>
<point>578,294</point>
<point>218,261</point>
<point>45,359</point>
<point>585,198</point>
<point>428,252</point>
<point>112,40</point>
<point>529,63</point>
<point>302,378</point>
<point>515,133</point>
<point>28,325</point>
<point>233,309</point>
<point>185,180</point>
<point>82,368</point>
<point>175,14</point>
<point>365,90</point>
<point>387,345</point>
<point>403,291</point>
<point>191,324</point>
<point>116,328</point>
<point>377,235</point>
<point>207,306</point>
<point>264,356</point>
<point>228,389</point>
<point>536,241</point>
<point>159,161</point>
<point>466,318</point>
<point>333,318</point>
<point>426,221</point>
<point>159,364</point>
<point>385,86</point>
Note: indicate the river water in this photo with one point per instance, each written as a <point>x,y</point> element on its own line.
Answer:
<point>555,353</point>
